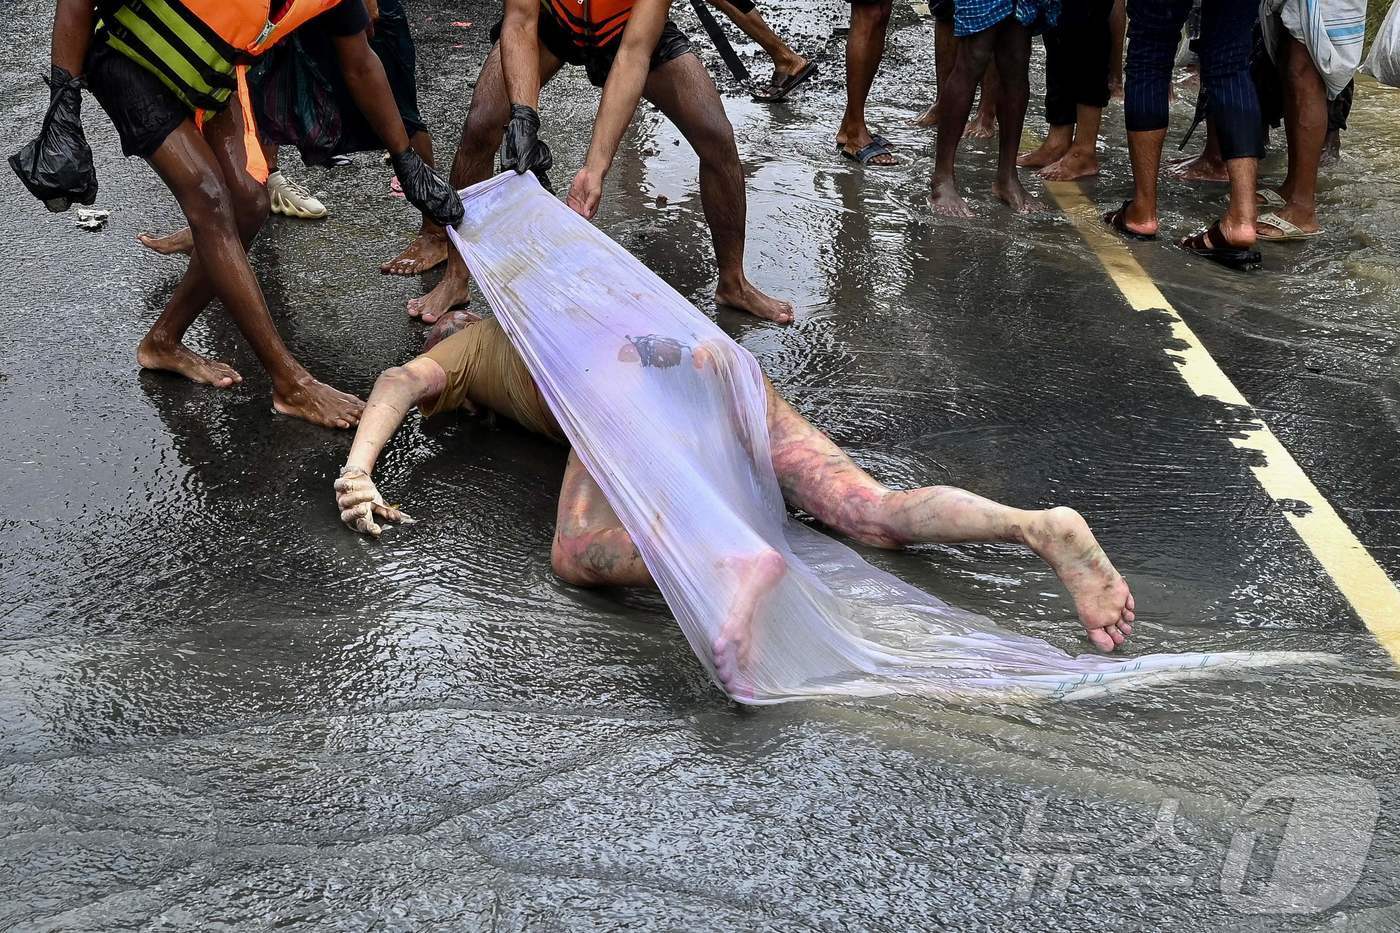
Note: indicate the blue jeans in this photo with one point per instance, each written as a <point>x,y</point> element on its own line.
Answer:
<point>1154,29</point>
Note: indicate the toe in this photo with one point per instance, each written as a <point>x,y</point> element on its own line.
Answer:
<point>1101,639</point>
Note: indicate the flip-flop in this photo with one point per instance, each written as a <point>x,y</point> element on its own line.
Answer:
<point>1268,197</point>
<point>1232,257</point>
<point>1118,220</point>
<point>876,148</point>
<point>1287,229</point>
<point>776,92</point>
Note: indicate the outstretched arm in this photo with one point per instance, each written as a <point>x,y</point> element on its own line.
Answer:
<point>395,392</point>
<point>621,94</point>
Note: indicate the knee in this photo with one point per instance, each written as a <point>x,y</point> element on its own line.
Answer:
<point>872,15</point>
<point>208,206</point>
<point>713,141</point>
<point>252,205</point>
<point>484,127</point>
<point>567,559</point>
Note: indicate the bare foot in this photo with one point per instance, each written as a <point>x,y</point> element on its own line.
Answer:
<point>944,198</point>
<point>181,241</point>
<point>928,118</point>
<point>746,297</point>
<point>449,324</point>
<point>454,291</point>
<point>1101,597</point>
<point>1047,153</point>
<point>318,403</point>
<point>733,646</point>
<point>183,361</point>
<point>427,251</point>
<point>1199,168</point>
<point>984,127</point>
<point>1072,165</point>
<point>1011,191</point>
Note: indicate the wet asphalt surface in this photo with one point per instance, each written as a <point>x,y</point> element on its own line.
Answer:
<point>220,710</point>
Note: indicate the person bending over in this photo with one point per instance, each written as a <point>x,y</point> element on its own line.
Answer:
<point>177,96</point>
<point>477,368</point>
<point>631,50</point>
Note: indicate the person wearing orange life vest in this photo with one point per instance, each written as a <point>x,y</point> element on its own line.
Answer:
<point>169,73</point>
<point>631,50</point>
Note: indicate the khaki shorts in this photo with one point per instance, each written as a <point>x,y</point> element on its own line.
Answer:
<point>485,371</point>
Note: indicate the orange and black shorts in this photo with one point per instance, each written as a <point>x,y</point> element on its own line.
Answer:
<point>597,62</point>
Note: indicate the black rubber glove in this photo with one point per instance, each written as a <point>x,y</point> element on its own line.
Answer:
<point>426,190</point>
<point>522,150</point>
<point>57,167</point>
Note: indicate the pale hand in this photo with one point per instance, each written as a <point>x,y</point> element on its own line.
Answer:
<point>360,503</point>
<point>585,193</point>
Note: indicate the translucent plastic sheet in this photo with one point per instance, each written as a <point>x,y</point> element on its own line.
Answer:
<point>669,416</point>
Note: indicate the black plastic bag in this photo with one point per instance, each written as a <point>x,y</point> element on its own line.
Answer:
<point>56,166</point>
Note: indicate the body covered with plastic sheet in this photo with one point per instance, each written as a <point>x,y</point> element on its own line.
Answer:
<point>682,453</point>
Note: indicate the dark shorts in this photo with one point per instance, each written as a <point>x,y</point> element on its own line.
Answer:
<point>143,110</point>
<point>598,62</point>
<point>942,10</point>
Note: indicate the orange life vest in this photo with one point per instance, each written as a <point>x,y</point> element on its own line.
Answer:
<point>200,49</point>
<point>591,24</point>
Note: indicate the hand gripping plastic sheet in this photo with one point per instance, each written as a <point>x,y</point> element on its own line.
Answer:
<point>669,416</point>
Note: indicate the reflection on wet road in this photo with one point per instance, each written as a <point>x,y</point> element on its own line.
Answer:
<point>217,707</point>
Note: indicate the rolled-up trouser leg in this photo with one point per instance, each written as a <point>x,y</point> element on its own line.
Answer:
<point>1226,40</point>
<point>1154,31</point>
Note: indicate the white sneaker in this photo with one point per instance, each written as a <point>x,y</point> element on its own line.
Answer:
<point>292,200</point>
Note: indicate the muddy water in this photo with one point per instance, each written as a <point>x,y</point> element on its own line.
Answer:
<point>219,709</point>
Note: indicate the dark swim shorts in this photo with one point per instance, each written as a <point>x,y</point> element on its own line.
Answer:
<point>598,62</point>
<point>143,110</point>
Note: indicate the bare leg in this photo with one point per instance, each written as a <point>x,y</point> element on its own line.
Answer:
<point>225,208</point>
<point>984,125</point>
<point>1117,31</point>
<point>1145,153</point>
<point>1305,120</point>
<point>786,62</point>
<point>818,477</point>
<point>945,52</point>
<point>1082,158</point>
<point>1013,56</point>
<point>591,548</point>
<point>955,103</point>
<point>429,249</point>
<point>481,137</point>
<point>865,46</point>
<point>683,91</point>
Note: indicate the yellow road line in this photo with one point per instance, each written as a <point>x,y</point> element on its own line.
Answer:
<point>1355,572</point>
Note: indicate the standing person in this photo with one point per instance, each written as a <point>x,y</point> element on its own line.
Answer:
<point>1154,31</point>
<point>945,51</point>
<point>790,70</point>
<point>988,29</point>
<point>1316,45</point>
<point>865,46</point>
<point>192,123</point>
<point>631,50</point>
<point>1076,91</point>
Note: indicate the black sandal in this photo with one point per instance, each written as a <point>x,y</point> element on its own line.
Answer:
<point>1118,220</point>
<point>871,152</point>
<point>1238,258</point>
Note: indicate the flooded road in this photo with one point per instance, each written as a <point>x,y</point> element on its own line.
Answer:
<point>218,709</point>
